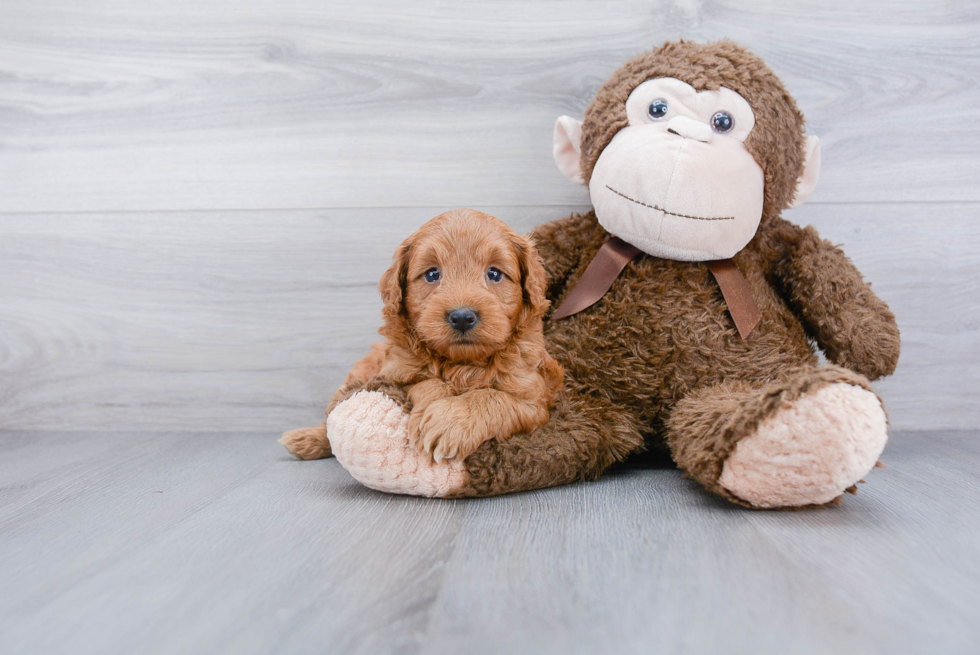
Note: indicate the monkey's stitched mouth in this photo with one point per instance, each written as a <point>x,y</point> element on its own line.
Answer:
<point>660,209</point>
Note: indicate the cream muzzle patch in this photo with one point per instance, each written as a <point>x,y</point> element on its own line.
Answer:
<point>677,182</point>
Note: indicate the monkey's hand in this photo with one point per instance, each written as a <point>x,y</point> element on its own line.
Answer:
<point>852,325</point>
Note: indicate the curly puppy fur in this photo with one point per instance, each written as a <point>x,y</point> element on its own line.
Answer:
<point>657,363</point>
<point>462,387</point>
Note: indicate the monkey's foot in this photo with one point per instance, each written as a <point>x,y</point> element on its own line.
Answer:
<point>810,452</point>
<point>369,437</point>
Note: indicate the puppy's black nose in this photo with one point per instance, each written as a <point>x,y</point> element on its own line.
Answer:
<point>463,319</point>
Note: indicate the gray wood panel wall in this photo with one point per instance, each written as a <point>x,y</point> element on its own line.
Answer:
<point>197,198</point>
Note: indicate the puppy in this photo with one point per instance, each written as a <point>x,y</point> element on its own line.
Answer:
<point>463,349</point>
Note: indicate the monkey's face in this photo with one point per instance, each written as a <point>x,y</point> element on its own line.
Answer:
<point>678,182</point>
<point>688,148</point>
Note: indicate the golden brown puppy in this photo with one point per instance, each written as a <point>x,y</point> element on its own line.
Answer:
<point>463,302</point>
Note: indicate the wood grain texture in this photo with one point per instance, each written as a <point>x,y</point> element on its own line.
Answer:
<point>249,321</point>
<point>110,106</point>
<point>170,542</point>
<point>199,320</point>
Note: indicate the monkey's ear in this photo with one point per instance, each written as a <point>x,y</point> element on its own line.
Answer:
<point>568,148</point>
<point>811,172</point>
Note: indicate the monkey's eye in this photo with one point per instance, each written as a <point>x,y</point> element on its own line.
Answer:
<point>495,274</point>
<point>432,275</point>
<point>658,109</point>
<point>722,122</point>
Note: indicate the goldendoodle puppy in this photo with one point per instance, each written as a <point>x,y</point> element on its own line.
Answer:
<point>463,348</point>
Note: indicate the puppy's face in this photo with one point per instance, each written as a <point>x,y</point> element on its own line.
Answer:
<point>465,284</point>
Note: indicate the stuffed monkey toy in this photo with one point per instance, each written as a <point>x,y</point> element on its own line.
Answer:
<point>685,311</point>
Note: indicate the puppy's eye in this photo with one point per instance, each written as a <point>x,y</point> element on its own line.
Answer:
<point>432,275</point>
<point>495,274</point>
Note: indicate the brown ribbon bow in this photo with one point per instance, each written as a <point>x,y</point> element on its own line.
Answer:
<point>613,257</point>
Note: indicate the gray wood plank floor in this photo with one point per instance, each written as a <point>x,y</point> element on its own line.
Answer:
<point>179,543</point>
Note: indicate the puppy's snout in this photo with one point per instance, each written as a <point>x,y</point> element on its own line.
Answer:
<point>462,319</point>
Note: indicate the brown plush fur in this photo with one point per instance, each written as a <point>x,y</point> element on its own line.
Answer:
<point>462,388</point>
<point>658,363</point>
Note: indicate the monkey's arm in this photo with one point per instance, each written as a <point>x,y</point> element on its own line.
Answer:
<point>852,325</point>
<point>561,244</point>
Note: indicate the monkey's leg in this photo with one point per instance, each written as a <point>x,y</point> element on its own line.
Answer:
<point>312,443</point>
<point>583,437</point>
<point>369,435</point>
<point>799,441</point>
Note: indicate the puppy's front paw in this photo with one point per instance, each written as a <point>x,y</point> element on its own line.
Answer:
<point>447,430</point>
<point>415,436</point>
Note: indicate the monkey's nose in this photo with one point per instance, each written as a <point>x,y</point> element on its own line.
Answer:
<point>462,319</point>
<point>689,128</point>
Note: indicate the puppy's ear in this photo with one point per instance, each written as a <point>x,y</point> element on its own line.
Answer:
<point>394,282</point>
<point>534,282</point>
